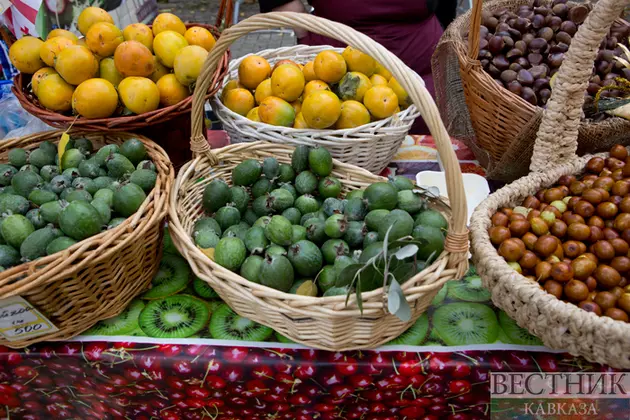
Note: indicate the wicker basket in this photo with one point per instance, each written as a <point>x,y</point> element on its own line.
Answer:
<point>96,278</point>
<point>318,322</point>
<point>560,325</point>
<point>499,126</point>
<point>30,103</point>
<point>370,146</point>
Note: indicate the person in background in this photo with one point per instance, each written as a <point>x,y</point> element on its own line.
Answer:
<point>410,29</point>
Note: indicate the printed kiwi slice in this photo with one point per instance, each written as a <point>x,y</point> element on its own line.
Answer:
<point>171,278</point>
<point>122,324</point>
<point>177,316</point>
<point>414,335</point>
<point>466,323</point>
<point>434,339</point>
<point>203,289</point>
<point>516,334</point>
<point>226,324</point>
<point>439,297</point>
<point>282,339</point>
<point>469,289</point>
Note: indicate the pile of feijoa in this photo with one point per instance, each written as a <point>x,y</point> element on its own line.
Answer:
<point>48,204</point>
<point>291,228</point>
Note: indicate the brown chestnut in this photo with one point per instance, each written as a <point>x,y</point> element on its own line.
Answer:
<point>589,306</point>
<point>576,291</point>
<point>607,276</point>
<point>553,288</point>
<point>605,300</point>
<point>499,234</point>
<point>616,314</point>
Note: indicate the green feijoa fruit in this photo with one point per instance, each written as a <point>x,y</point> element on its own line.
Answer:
<point>103,210</point>
<point>432,239</point>
<point>293,215</point>
<point>329,187</point>
<point>401,183</point>
<point>71,173</point>
<point>432,218</point>
<point>354,194</point>
<point>250,216</point>
<point>336,226</point>
<point>262,206</point>
<point>34,246</point>
<point>118,166</point>
<point>134,150</point>
<point>315,230</point>
<point>374,218</point>
<point>80,220</point>
<point>281,199</point>
<point>227,216</point>
<point>48,146</point>
<point>29,168</point>
<point>239,230</point>
<point>261,187</point>
<point>89,168</point>
<point>60,183</point>
<point>271,168</point>
<point>333,206</point>
<point>128,199</point>
<point>240,198</point>
<point>334,248</point>
<point>381,195</point>
<point>72,158</point>
<point>320,161</point>
<point>277,273</point>
<point>275,250</point>
<point>206,238</point>
<point>290,188</point>
<point>82,183</point>
<point>255,240</point>
<point>147,164</point>
<point>50,211</point>
<point>306,182</point>
<point>14,204</point>
<point>371,251</point>
<point>64,194</point>
<point>327,278</point>
<point>7,190</point>
<point>6,174</point>
<point>207,223</point>
<point>48,172</point>
<point>103,182</point>
<point>40,158</point>
<point>369,239</point>
<point>355,209</point>
<point>104,153</point>
<point>401,224</point>
<point>410,201</point>
<point>246,172</point>
<point>8,256</point>
<point>306,204</point>
<point>36,218</point>
<point>15,229</point>
<point>262,221</point>
<point>355,234</point>
<point>299,159</point>
<point>59,244</point>
<point>298,233</point>
<point>39,196</point>
<point>25,182</point>
<point>305,257</point>
<point>279,230</point>
<point>315,215</point>
<point>216,195</point>
<point>115,222</point>
<point>286,173</point>
<point>105,195</point>
<point>340,264</point>
<point>84,145</point>
<point>75,195</point>
<point>336,291</point>
<point>18,158</point>
<point>230,253</point>
<point>251,267</point>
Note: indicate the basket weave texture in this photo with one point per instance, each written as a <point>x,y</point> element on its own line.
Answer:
<point>96,278</point>
<point>324,323</point>
<point>497,125</point>
<point>370,146</point>
<point>560,325</point>
<point>30,103</point>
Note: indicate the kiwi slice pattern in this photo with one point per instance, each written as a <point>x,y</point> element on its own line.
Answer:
<point>462,323</point>
<point>174,317</point>
<point>203,289</point>
<point>516,334</point>
<point>123,324</point>
<point>415,335</point>
<point>172,277</point>
<point>469,289</point>
<point>225,324</point>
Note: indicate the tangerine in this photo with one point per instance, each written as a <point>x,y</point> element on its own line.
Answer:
<point>382,71</point>
<point>353,86</point>
<point>76,64</point>
<point>253,114</point>
<point>108,71</point>
<point>39,76</point>
<point>52,47</point>
<point>239,100</point>
<point>62,33</point>
<point>139,32</point>
<point>232,84</point>
<point>329,66</point>
<point>160,70</point>
<point>300,122</point>
<point>353,114</point>
<point>166,46</point>
<point>25,54</point>
<point>378,80</point>
<point>381,101</point>
<point>321,109</point>
<point>359,61</point>
<point>55,93</point>
<point>133,58</point>
<point>201,37</point>
<point>253,70</point>
<point>281,62</point>
<point>188,64</point>
<point>313,86</point>
<point>297,106</point>
<point>91,15</point>
<point>168,22</point>
<point>263,90</point>
<point>102,38</point>
<point>171,91</point>
<point>309,71</point>
<point>276,111</point>
<point>95,98</point>
<point>403,97</point>
<point>287,82</point>
<point>139,94</point>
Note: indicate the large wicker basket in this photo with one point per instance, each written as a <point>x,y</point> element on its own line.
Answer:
<point>498,125</point>
<point>370,146</point>
<point>29,102</point>
<point>318,322</point>
<point>96,278</point>
<point>560,325</point>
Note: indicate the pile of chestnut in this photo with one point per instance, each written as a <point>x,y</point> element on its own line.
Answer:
<point>573,239</point>
<point>522,50</point>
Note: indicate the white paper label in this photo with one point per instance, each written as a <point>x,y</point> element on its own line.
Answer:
<point>19,320</point>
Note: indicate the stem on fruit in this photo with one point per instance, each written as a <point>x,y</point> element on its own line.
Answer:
<point>30,380</point>
<point>168,408</point>
<point>394,364</point>
<point>464,355</point>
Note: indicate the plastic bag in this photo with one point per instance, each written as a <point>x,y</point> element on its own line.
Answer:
<point>15,121</point>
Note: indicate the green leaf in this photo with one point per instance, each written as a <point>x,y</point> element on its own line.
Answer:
<point>347,275</point>
<point>406,252</point>
<point>393,299</point>
<point>359,298</point>
<point>402,309</point>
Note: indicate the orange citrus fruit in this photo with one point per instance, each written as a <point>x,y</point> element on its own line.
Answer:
<point>297,106</point>
<point>102,38</point>
<point>239,100</point>
<point>381,101</point>
<point>276,111</point>
<point>281,62</point>
<point>108,71</point>
<point>232,84</point>
<point>132,58</point>
<point>403,97</point>
<point>95,98</point>
<point>329,66</point>
<point>76,64</point>
<point>25,54</point>
<point>253,70</point>
<point>160,71</point>
<point>139,32</point>
<point>300,122</point>
<point>309,71</point>
<point>359,61</point>
<point>382,71</point>
<point>321,109</point>
<point>171,91</point>
<point>201,37</point>
<point>287,82</point>
<point>168,22</point>
<point>353,114</point>
<point>166,45</point>
<point>188,64</point>
<point>62,33</point>
<point>55,93</point>
<point>52,47</point>
<point>40,75</point>
<point>91,15</point>
<point>353,86</point>
<point>253,115</point>
<point>139,94</point>
<point>314,85</point>
<point>378,80</point>
<point>263,90</point>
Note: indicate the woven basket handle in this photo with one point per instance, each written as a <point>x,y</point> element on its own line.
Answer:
<point>457,238</point>
<point>556,141</point>
<point>475,29</point>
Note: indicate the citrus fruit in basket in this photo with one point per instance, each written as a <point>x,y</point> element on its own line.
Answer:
<point>39,76</point>
<point>139,94</point>
<point>91,15</point>
<point>276,111</point>
<point>95,98</point>
<point>253,70</point>
<point>166,45</point>
<point>321,109</point>
<point>262,91</point>
<point>55,93</point>
<point>253,114</point>
<point>25,54</point>
<point>287,82</point>
<point>330,66</point>
<point>353,114</point>
<point>160,71</point>
<point>353,86</point>
<point>139,32</point>
<point>300,122</point>
<point>359,61</point>
<point>381,101</point>
<point>102,38</point>
<point>314,85</point>
<point>403,96</point>
<point>285,61</point>
<point>188,64</point>
<point>168,22</point>
<point>171,91</point>
<point>62,33</point>
<point>108,71</point>
<point>297,106</point>
<point>239,100</point>
<point>382,71</point>
<point>309,71</point>
<point>76,64</point>
<point>52,47</point>
<point>378,80</point>
<point>201,37</point>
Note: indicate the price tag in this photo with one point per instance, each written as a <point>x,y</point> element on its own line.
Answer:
<point>19,320</point>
